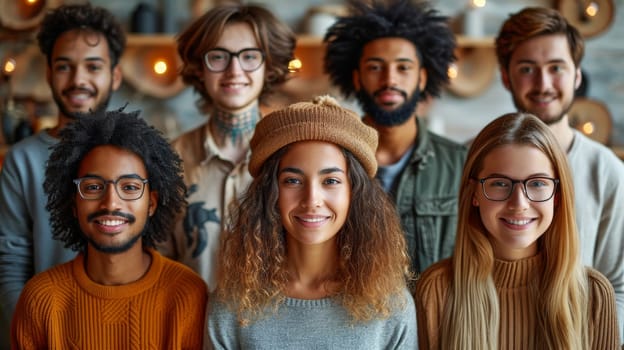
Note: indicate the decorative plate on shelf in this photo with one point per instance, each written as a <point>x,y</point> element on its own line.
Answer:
<point>150,64</point>
<point>592,118</point>
<point>24,15</point>
<point>590,17</point>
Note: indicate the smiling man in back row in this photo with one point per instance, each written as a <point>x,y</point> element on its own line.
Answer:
<point>540,54</point>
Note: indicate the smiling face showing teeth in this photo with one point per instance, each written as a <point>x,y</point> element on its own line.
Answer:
<point>235,90</point>
<point>314,192</point>
<point>110,224</point>
<point>514,225</point>
<point>542,77</point>
<point>80,74</point>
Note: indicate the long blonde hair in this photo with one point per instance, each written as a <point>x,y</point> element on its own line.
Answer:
<point>471,316</point>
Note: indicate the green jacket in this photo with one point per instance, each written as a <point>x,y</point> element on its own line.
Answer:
<point>426,197</point>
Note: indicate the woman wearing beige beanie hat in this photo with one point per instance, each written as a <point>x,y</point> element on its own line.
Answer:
<point>314,256</point>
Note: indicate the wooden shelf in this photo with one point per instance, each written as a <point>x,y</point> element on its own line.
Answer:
<point>462,41</point>
<point>133,40</point>
<point>467,41</point>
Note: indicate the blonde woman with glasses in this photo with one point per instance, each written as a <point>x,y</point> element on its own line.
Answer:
<point>515,280</point>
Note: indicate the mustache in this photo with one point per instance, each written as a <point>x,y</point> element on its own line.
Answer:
<point>390,88</point>
<point>93,216</point>
<point>78,89</point>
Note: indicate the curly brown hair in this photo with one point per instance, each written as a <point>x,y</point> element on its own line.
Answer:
<point>373,262</point>
<point>81,17</point>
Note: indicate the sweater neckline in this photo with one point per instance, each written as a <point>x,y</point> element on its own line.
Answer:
<point>315,303</point>
<point>122,291</point>
<point>518,273</point>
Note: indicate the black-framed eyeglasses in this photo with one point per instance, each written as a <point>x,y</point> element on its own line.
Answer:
<point>218,60</point>
<point>128,187</point>
<point>536,189</point>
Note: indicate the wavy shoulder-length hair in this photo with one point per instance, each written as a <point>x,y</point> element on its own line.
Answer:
<point>274,38</point>
<point>472,307</point>
<point>373,266</point>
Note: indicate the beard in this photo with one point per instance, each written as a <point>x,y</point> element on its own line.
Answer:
<point>114,249</point>
<point>73,115</point>
<point>548,120</point>
<point>384,117</point>
<point>117,249</point>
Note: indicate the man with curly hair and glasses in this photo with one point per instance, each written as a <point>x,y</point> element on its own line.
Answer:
<point>113,185</point>
<point>391,56</point>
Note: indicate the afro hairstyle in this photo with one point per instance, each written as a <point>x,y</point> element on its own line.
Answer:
<point>368,21</point>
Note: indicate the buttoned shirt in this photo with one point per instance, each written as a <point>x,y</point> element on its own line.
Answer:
<point>212,184</point>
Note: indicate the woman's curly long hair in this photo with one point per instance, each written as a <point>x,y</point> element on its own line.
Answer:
<point>424,27</point>
<point>123,130</point>
<point>373,262</point>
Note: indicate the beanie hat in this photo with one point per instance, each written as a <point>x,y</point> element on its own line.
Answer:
<point>320,120</point>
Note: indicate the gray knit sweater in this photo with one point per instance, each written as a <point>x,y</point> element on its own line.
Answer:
<point>312,324</point>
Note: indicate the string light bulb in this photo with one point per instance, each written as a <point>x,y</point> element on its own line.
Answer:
<point>478,3</point>
<point>9,66</point>
<point>295,65</point>
<point>588,128</point>
<point>592,9</point>
<point>452,71</point>
<point>160,67</point>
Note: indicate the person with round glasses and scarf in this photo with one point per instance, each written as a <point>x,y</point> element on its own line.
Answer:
<point>233,56</point>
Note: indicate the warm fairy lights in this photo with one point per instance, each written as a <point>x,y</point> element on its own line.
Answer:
<point>478,3</point>
<point>160,67</point>
<point>588,128</point>
<point>9,66</point>
<point>592,9</point>
<point>452,71</point>
<point>295,65</point>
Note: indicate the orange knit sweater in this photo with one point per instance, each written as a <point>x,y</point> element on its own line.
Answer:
<point>518,309</point>
<point>62,308</point>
